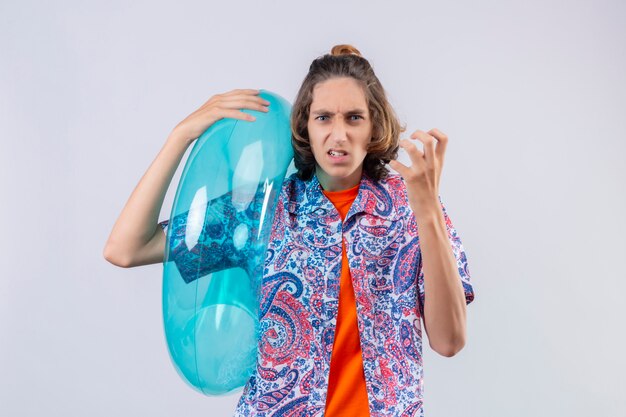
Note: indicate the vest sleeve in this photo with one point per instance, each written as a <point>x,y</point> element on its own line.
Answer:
<point>163,225</point>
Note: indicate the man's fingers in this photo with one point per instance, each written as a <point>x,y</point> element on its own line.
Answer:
<point>246,98</point>
<point>242,91</point>
<point>417,156</point>
<point>442,142</point>
<point>245,104</point>
<point>234,114</point>
<point>399,167</point>
<point>429,145</point>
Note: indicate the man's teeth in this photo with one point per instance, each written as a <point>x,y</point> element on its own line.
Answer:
<point>333,153</point>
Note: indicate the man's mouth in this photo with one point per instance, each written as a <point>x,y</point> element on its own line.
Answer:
<point>333,152</point>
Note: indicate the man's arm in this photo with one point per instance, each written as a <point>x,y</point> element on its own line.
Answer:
<point>444,302</point>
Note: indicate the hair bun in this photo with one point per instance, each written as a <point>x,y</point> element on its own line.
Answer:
<point>345,50</point>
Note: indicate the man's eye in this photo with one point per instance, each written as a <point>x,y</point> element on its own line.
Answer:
<point>320,117</point>
<point>357,116</point>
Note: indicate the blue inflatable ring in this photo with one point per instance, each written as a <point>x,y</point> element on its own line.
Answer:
<point>216,242</point>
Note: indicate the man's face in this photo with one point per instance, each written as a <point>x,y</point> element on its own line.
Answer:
<point>340,129</point>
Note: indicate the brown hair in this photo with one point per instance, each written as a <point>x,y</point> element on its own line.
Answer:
<point>346,61</point>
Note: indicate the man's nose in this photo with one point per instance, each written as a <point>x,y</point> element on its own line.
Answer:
<point>338,132</point>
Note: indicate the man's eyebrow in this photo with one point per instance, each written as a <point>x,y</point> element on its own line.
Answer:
<point>324,111</point>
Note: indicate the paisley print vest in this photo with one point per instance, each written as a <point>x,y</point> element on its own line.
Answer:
<point>300,292</point>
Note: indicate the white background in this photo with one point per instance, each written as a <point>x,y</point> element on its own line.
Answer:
<point>531,95</point>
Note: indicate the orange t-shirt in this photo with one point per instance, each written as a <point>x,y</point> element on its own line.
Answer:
<point>347,393</point>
